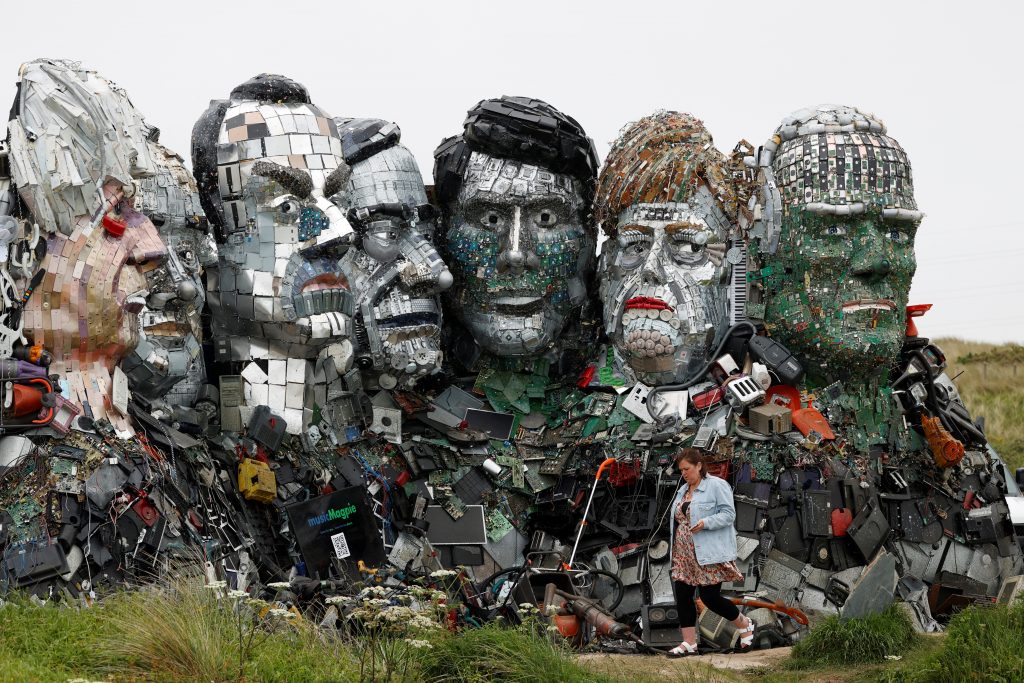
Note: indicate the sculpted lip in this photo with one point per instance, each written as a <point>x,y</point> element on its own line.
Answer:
<point>647,302</point>
<point>869,304</point>
<point>325,281</point>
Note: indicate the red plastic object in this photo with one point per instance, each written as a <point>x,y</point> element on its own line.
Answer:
<point>810,419</point>
<point>403,478</point>
<point>842,518</point>
<point>586,377</point>
<point>708,398</point>
<point>146,511</point>
<point>718,469</point>
<point>785,396</point>
<point>915,311</point>
<point>114,227</point>
<point>622,473</point>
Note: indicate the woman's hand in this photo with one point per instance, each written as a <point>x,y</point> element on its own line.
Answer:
<point>699,526</point>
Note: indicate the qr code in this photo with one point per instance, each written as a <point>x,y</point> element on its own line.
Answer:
<point>340,546</point>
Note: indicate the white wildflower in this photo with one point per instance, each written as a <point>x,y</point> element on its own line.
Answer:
<point>237,595</point>
<point>279,585</point>
<point>442,574</point>
<point>336,600</point>
<point>419,644</point>
<point>216,585</point>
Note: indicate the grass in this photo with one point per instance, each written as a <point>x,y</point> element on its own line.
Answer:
<point>981,644</point>
<point>495,653</point>
<point>183,633</point>
<point>992,386</point>
<point>869,640</point>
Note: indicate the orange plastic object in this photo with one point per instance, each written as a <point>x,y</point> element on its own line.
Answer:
<point>27,400</point>
<point>946,450</point>
<point>810,419</point>
<point>568,625</point>
<point>915,311</point>
<point>784,395</point>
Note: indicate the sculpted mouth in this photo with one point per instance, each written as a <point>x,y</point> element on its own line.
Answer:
<point>647,303</point>
<point>324,281</point>
<point>869,305</point>
<point>518,304</point>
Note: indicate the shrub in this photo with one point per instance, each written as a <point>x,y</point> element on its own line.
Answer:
<point>839,641</point>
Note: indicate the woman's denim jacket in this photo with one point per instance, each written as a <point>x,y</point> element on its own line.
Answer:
<point>711,502</point>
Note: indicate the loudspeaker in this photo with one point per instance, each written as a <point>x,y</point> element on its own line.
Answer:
<point>661,625</point>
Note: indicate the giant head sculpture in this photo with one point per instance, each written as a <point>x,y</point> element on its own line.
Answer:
<point>168,360</point>
<point>515,190</point>
<point>267,162</point>
<point>77,146</point>
<point>664,200</point>
<point>393,265</point>
<point>835,242</point>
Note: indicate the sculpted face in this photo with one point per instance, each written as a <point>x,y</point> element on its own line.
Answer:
<point>662,198</point>
<point>837,287</point>
<point>394,268</point>
<point>87,307</point>
<point>168,360</point>
<point>663,287</point>
<point>100,249</point>
<point>277,289</point>
<point>520,253</point>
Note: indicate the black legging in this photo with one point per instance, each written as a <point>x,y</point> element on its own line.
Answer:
<point>712,598</point>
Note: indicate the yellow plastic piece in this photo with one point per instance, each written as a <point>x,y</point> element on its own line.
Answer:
<point>256,481</point>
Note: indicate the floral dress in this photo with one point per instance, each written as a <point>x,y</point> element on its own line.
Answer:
<point>684,559</point>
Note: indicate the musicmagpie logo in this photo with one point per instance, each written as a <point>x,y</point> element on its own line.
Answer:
<point>332,514</point>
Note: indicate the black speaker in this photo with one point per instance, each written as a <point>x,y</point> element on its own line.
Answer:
<point>661,625</point>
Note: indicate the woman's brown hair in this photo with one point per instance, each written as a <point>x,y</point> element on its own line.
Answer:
<point>694,457</point>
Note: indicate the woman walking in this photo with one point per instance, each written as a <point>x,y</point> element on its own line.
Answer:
<point>703,550</point>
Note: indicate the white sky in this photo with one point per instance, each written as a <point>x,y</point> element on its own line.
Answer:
<point>945,79</point>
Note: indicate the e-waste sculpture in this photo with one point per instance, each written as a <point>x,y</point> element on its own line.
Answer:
<point>754,307</point>
<point>664,201</point>
<point>96,492</point>
<point>395,268</point>
<point>515,190</point>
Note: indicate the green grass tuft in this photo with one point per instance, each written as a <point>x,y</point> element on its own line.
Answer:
<point>869,640</point>
<point>981,644</point>
<point>493,653</point>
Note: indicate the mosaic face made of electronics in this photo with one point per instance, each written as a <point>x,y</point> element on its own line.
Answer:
<point>393,264</point>
<point>267,161</point>
<point>515,190</point>
<point>836,244</point>
<point>77,146</point>
<point>168,362</point>
<point>663,272</point>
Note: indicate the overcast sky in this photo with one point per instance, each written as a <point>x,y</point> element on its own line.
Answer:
<point>946,80</point>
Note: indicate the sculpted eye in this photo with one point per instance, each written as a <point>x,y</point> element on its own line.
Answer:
<point>545,218</point>
<point>835,230</point>
<point>897,236</point>
<point>492,220</point>
<point>288,207</point>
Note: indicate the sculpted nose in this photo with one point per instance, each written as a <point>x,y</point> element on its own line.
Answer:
<point>871,261</point>
<point>515,254</point>
<point>653,273</point>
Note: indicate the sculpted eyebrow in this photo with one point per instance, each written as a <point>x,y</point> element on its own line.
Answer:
<point>295,180</point>
<point>337,180</point>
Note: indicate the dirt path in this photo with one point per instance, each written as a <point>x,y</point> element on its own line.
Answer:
<point>710,667</point>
